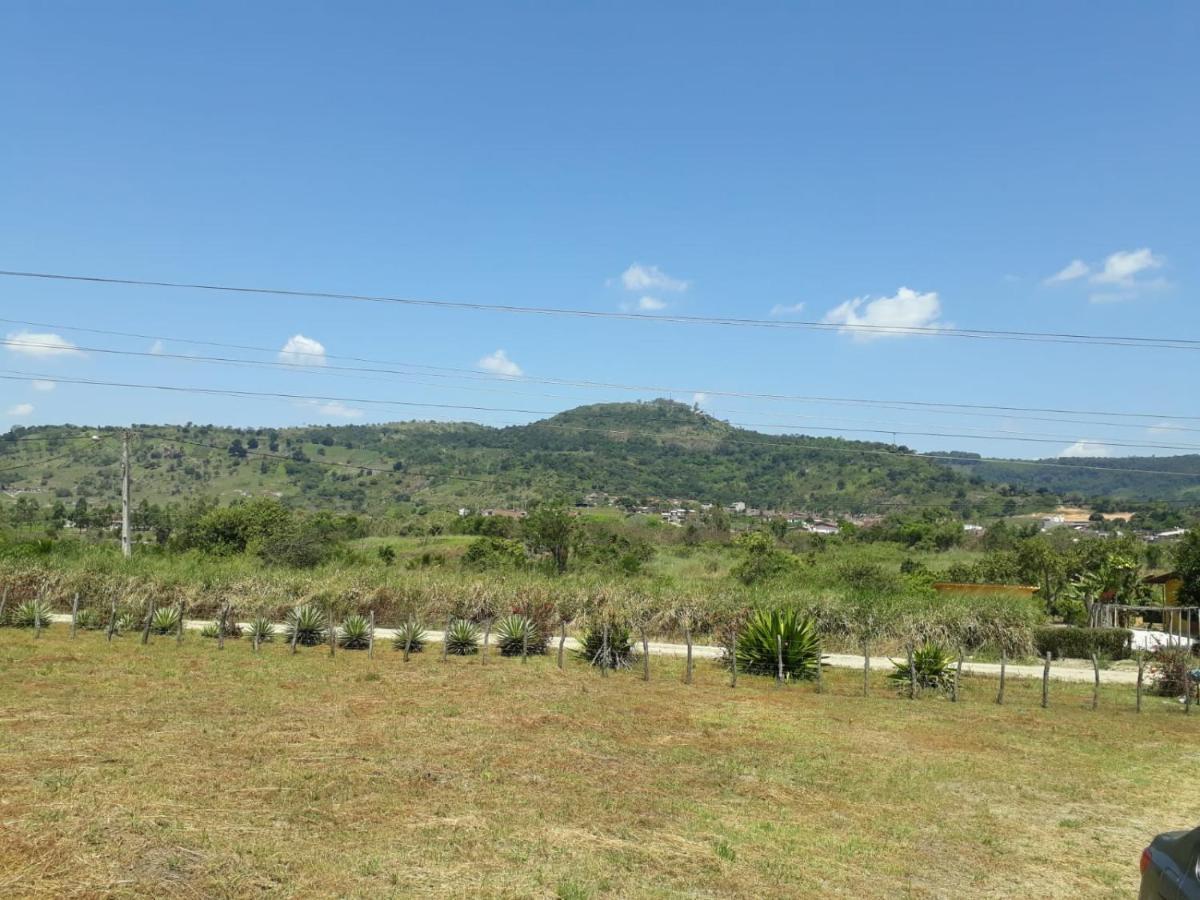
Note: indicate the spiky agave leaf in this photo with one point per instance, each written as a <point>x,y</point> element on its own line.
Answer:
<point>261,629</point>
<point>355,633</point>
<point>32,613</point>
<point>514,633</point>
<point>165,620</point>
<point>307,623</point>
<point>417,641</point>
<point>934,666</point>
<point>620,653</point>
<point>463,638</point>
<point>758,646</point>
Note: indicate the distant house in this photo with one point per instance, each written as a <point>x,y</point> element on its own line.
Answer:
<point>1170,583</point>
<point>1172,534</point>
<point>503,513</point>
<point>739,507</point>
<point>972,529</point>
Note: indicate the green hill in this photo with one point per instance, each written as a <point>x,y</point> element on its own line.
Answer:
<point>641,451</point>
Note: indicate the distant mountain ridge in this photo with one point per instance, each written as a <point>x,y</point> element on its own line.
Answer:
<point>641,451</point>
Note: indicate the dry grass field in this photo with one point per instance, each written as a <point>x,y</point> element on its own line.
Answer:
<point>172,771</point>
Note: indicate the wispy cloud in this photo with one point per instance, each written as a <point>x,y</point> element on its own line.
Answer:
<point>21,409</point>
<point>650,278</point>
<point>157,347</point>
<point>645,304</point>
<point>498,363</point>
<point>1076,268</point>
<point>1085,449</point>
<point>39,384</point>
<point>1124,265</point>
<point>782,309</point>
<point>302,351</point>
<point>907,309</point>
<point>40,344</point>
<point>699,398</point>
<point>338,410</point>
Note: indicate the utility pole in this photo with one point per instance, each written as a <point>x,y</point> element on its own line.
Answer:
<point>126,543</point>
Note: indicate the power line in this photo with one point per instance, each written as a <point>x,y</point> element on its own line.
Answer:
<point>974,333</point>
<point>943,407</point>
<point>785,440</point>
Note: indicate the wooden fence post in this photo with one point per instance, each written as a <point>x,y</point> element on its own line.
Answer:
<point>525,639</point>
<point>562,641</point>
<point>1141,661</point>
<point>1096,683</point>
<point>866,651</point>
<point>74,613</point>
<point>1003,667</point>
<point>112,619</point>
<point>408,636</point>
<point>221,625</point>
<point>295,630</point>
<point>446,639</point>
<point>1046,681</point>
<point>957,677</point>
<point>687,639</point>
<point>487,637</point>
<point>645,653</point>
<point>37,618</point>
<point>779,659</point>
<point>179,626</point>
<point>332,634</point>
<point>733,662</point>
<point>604,652</point>
<point>149,621</point>
<point>820,674</point>
<point>3,603</point>
<point>371,638</point>
<point>912,672</point>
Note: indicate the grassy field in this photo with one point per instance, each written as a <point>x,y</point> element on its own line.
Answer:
<point>184,771</point>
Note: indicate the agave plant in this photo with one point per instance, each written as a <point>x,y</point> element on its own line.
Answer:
<point>32,614</point>
<point>411,634</point>
<point>90,620</point>
<point>619,647</point>
<point>355,633</point>
<point>933,665</point>
<point>165,620</point>
<point>306,624</point>
<point>516,635</point>
<point>210,630</point>
<point>261,630</point>
<point>213,629</point>
<point>462,638</point>
<point>770,635</point>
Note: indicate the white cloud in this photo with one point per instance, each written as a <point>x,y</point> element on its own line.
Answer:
<point>1124,265</point>
<point>1076,268</point>
<point>1086,448</point>
<point>699,398</point>
<point>302,351</point>
<point>498,363</point>
<point>780,309</point>
<point>39,384</point>
<point>645,304</point>
<point>157,347</point>
<point>31,343</point>
<point>650,278</point>
<point>21,409</point>
<point>907,309</point>
<point>339,410</point>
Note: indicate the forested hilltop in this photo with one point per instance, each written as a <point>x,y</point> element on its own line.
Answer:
<point>633,452</point>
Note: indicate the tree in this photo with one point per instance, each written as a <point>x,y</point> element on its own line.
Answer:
<point>549,528</point>
<point>760,558</point>
<point>1187,564</point>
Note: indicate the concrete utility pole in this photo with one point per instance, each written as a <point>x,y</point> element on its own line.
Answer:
<point>126,543</point>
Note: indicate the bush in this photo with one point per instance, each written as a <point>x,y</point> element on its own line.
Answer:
<point>165,620</point>
<point>261,629</point>
<point>306,625</point>
<point>934,669</point>
<point>90,620</point>
<point>355,633</point>
<point>213,629</point>
<point>513,633</point>
<point>463,638</point>
<point>758,645</point>
<point>31,614</point>
<point>620,647</point>
<point>1171,669</point>
<point>417,642</point>
<point>1081,643</point>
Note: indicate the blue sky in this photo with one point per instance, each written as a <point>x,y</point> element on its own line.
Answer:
<point>765,160</point>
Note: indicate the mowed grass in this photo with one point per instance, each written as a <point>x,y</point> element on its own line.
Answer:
<point>184,771</point>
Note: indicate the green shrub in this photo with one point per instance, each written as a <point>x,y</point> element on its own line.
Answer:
<point>306,624</point>
<point>1081,643</point>
<point>1171,668</point>
<point>935,669</point>
<point>355,633</point>
<point>165,620</point>
<point>31,614</point>
<point>463,638</point>
<point>90,620</point>
<point>513,633</point>
<point>261,629</point>
<point>417,642</point>
<point>620,647</point>
<point>758,645</point>
<point>213,629</point>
